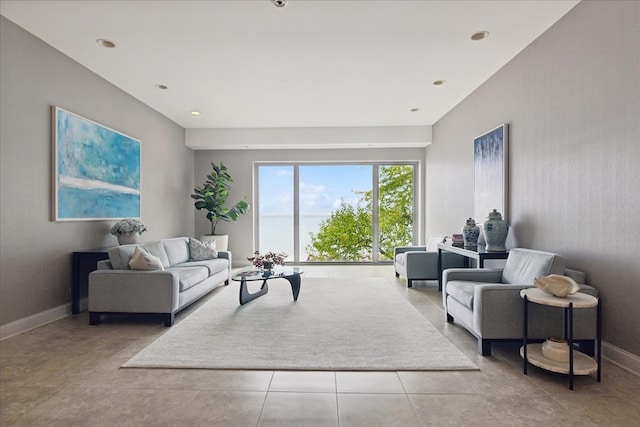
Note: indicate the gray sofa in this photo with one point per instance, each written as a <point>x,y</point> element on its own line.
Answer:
<point>115,288</point>
<point>487,301</point>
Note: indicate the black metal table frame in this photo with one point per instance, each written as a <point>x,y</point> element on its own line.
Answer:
<point>245,296</point>
<point>568,335</point>
<point>469,254</point>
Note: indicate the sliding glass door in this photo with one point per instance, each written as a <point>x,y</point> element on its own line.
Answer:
<point>335,212</point>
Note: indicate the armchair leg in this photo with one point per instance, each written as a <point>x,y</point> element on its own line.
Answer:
<point>397,274</point>
<point>168,319</point>
<point>484,347</point>
<point>449,318</point>
<point>409,283</point>
<point>94,318</point>
<point>226,282</point>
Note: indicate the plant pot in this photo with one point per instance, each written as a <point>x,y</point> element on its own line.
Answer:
<point>267,265</point>
<point>222,240</point>
<point>128,240</point>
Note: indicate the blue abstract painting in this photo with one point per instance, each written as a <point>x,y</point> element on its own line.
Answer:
<point>490,173</point>
<point>96,170</point>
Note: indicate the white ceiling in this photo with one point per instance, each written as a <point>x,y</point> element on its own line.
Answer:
<point>323,63</point>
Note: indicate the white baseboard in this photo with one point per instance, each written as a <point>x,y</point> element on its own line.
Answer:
<point>622,358</point>
<point>36,320</point>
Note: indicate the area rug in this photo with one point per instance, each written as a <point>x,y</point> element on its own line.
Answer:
<point>336,324</point>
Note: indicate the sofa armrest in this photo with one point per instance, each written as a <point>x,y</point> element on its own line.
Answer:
<point>498,307</point>
<point>227,255</point>
<point>489,275</point>
<point>134,291</point>
<point>401,249</point>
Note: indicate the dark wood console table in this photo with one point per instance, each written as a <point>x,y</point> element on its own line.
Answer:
<point>478,253</point>
<point>83,263</point>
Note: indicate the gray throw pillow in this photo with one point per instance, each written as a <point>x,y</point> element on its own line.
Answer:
<point>200,251</point>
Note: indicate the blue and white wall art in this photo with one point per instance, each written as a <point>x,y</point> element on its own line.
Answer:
<point>96,170</point>
<point>490,172</point>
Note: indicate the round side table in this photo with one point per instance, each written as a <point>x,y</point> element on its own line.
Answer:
<point>579,363</point>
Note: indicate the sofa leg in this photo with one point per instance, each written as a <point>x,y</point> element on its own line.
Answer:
<point>449,318</point>
<point>484,347</point>
<point>226,282</point>
<point>94,318</point>
<point>397,274</point>
<point>168,319</point>
<point>409,283</point>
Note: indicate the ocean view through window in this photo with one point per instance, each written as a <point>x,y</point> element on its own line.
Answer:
<point>325,212</point>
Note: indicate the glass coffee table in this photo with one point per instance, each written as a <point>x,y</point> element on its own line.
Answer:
<point>250,274</point>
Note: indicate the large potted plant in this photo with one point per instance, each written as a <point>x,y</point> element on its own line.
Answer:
<point>212,197</point>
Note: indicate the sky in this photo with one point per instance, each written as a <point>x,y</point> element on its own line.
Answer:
<point>322,187</point>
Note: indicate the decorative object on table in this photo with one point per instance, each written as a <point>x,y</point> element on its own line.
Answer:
<point>268,260</point>
<point>556,349</point>
<point>470,233</point>
<point>96,170</point>
<point>495,232</point>
<point>212,197</point>
<point>127,230</point>
<point>457,240</point>
<point>490,171</point>
<point>557,285</point>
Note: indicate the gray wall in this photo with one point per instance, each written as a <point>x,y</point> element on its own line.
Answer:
<point>240,164</point>
<point>35,253</point>
<point>572,99</point>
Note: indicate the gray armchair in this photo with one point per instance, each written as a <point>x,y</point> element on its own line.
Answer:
<point>487,301</point>
<point>421,262</point>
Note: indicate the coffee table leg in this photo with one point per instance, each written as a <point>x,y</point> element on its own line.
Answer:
<point>246,297</point>
<point>295,285</point>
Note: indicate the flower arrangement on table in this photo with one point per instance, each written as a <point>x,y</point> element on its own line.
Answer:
<point>268,260</point>
<point>128,227</point>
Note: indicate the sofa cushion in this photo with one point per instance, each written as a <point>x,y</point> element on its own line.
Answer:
<point>200,251</point>
<point>177,250</point>
<point>156,248</point>
<point>120,256</point>
<point>401,258</point>
<point>524,265</point>
<point>463,292</point>
<point>142,260</point>
<point>213,265</point>
<point>189,276</point>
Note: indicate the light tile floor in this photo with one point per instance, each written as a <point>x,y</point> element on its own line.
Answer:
<point>67,374</point>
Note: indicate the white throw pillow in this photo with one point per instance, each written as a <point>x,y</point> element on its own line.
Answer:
<point>200,251</point>
<point>142,260</point>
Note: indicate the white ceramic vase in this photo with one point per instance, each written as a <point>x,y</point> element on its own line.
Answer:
<point>495,232</point>
<point>470,233</point>
<point>128,240</point>
<point>556,349</point>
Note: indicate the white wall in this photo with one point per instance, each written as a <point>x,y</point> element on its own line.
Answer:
<point>35,253</point>
<point>240,164</point>
<point>572,99</point>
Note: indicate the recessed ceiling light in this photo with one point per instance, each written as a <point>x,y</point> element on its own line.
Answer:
<point>106,43</point>
<point>413,110</point>
<point>439,82</point>
<point>195,113</point>
<point>161,87</point>
<point>480,35</point>
<point>279,3</point>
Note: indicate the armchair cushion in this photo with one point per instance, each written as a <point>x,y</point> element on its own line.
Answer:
<point>524,265</point>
